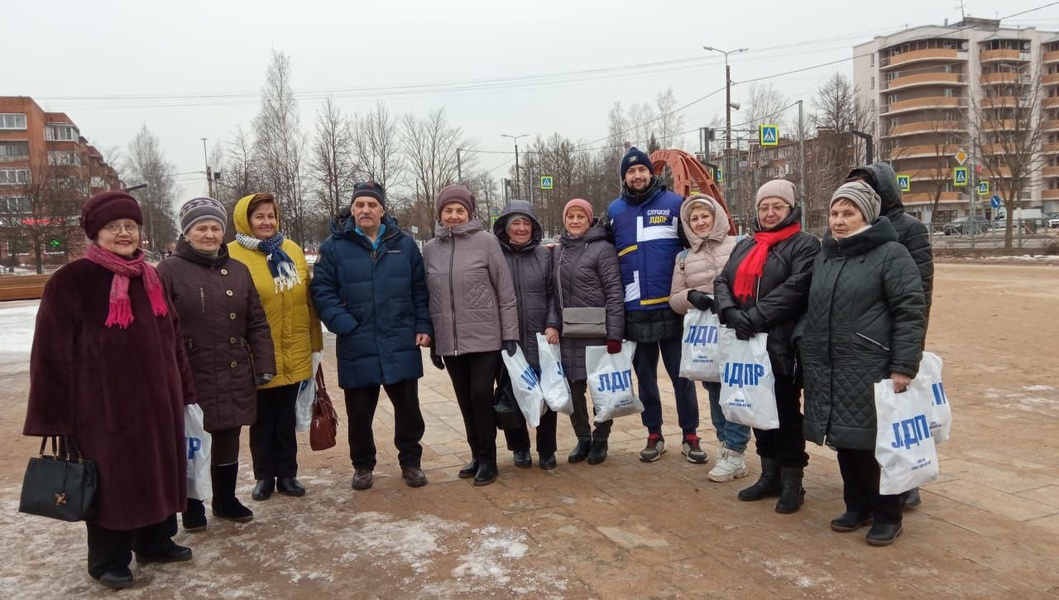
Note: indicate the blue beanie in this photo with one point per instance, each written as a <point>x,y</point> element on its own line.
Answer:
<point>635,157</point>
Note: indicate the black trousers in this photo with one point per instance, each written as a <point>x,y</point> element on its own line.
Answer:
<point>273,443</point>
<point>408,424</point>
<point>580,421</point>
<point>110,549</point>
<point>225,448</point>
<point>786,444</point>
<point>860,487</point>
<point>473,377</point>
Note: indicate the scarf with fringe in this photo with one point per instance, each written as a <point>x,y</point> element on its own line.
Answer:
<point>284,271</point>
<point>120,312</point>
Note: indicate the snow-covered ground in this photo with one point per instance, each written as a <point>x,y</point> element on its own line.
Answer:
<point>16,325</point>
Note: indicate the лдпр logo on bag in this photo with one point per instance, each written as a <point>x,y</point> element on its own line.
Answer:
<point>618,381</point>
<point>910,432</point>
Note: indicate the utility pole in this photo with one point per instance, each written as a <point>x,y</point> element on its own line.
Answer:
<point>727,111</point>
<point>801,163</point>
<point>518,181</point>
<point>209,173</point>
<point>459,167</point>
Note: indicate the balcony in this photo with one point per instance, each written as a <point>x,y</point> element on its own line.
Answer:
<point>1003,55</point>
<point>922,151</point>
<point>1004,102</point>
<point>1050,102</point>
<point>928,197</point>
<point>1052,125</point>
<point>1050,57</point>
<point>1004,78</point>
<point>903,106</point>
<point>1050,172</point>
<point>1052,148</point>
<point>1000,125</point>
<point>924,79</point>
<point>1050,79</point>
<point>1049,194</point>
<point>927,55</point>
<point>926,127</point>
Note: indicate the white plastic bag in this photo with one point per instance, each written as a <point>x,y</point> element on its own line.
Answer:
<point>748,387</point>
<point>526,385</point>
<point>303,409</point>
<point>199,445</point>
<point>700,349</point>
<point>904,447</point>
<point>553,380</point>
<point>610,382</point>
<point>929,381</point>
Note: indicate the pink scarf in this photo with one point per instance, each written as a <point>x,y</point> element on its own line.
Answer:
<point>120,306</point>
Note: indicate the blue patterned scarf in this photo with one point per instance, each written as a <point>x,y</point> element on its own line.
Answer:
<point>284,271</point>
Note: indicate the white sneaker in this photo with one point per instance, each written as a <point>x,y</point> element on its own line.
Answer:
<point>730,466</point>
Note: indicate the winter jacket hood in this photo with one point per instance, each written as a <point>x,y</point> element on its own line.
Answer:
<point>697,267</point>
<point>242,220</point>
<point>881,231</point>
<point>881,177</point>
<point>521,207</point>
<point>720,221</point>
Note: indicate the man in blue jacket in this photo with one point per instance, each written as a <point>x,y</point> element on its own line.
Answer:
<point>644,223</point>
<point>369,288</point>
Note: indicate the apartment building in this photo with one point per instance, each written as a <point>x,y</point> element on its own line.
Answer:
<point>47,170</point>
<point>936,90</point>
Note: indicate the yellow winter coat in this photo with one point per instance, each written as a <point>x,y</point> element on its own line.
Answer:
<point>296,332</point>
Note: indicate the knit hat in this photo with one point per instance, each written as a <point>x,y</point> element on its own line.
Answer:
<point>105,207</point>
<point>369,188</point>
<point>862,196</point>
<point>201,209</point>
<point>635,157</point>
<point>455,193</point>
<point>579,203</point>
<point>776,188</point>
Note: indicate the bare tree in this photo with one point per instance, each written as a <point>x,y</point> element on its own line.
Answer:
<point>145,163</point>
<point>44,216</point>
<point>764,105</point>
<point>429,146</point>
<point>1007,137</point>
<point>377,146</point>
<point>278,148</point>
<point>835,149</point>
<point>670,124</point>
<point>331,166</point>
<point>640,124</point>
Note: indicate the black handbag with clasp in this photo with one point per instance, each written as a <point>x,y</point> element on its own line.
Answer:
<point>61,485</point>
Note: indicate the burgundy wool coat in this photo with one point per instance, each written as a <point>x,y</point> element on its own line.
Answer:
<point>226,334</point>
<point>120,393</point>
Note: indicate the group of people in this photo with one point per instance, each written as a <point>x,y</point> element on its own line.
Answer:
<point>121,348</point>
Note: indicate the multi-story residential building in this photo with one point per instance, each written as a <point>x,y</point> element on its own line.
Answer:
<point>47,170</point>
<point>937,90</point>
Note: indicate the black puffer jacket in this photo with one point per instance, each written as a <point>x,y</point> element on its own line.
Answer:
<point>587,274</point>
<point>865,321</point>
<point>782,291</point>
<point>531,271</point>
<point>911,232</point>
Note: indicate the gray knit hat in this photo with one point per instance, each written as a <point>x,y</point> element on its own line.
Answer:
<point>200,209</point>
<point>862,196</point>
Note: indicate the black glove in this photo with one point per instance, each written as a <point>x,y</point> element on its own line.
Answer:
<point>739,321</point>
<point>434,358</point>
<point>700,300</point>
<point>509,346</point>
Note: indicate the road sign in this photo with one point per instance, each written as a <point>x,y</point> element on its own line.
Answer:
<point>983,188</point>
<point>961,156</point>
<point>415,229</point>
<point>769,135</point>
<point>718,175</point>
<point>959,177</point>
<point>904,182</point>
<point>995,201</point>
<point>547,182</point>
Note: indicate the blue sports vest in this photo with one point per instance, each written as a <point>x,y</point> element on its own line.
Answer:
<point>647,242</point>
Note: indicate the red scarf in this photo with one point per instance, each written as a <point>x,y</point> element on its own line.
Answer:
<point>120,313</point>
<point>753,266</point>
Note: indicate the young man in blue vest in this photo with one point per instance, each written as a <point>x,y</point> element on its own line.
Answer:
<point>644,223</point>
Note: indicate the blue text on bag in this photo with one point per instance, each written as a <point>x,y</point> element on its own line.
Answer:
<point>194,445</point>
<point>701,335</point>
<point>743,374</point>
<point>910,432</point>
<point>618,381</point>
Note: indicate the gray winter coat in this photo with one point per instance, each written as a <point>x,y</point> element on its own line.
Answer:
<point>472,299</point>
<point>587,274</point>
<point>531,272</point>
<point>864,321</point>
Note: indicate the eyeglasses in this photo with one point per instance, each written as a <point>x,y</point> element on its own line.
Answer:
<point>117,228</point>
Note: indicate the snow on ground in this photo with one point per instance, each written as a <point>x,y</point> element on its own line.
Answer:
<point>16,325</point>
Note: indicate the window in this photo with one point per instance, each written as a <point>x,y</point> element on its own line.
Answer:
<point>98,182</point>
<point>14,150</point>
<point>873,83</point>
<point>14,176</point>
<point>63,158</point>
<point>12,121</point>
<point>872,59</point>
<point>15,204</point>
<point>61,133</point>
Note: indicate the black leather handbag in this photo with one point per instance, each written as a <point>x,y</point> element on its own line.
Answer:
<point>61,485</point>
<point>508,415</point>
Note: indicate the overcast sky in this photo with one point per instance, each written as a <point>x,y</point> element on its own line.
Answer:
<point>194,69</point>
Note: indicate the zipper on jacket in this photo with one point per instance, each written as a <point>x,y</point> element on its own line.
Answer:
<point>517,276</point>
<point>452,299</point>
<point>202,299</point>
<point>871,341</point>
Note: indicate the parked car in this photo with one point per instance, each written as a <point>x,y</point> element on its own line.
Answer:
<point>1053,220</point>
<point>966,225</point>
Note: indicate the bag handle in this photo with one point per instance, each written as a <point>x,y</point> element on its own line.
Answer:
<point>559,278</point>
<point>62,447</point>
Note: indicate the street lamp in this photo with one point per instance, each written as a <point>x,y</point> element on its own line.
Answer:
<point>518,186</point>
<point>727,107</point>
<point>150,213</point>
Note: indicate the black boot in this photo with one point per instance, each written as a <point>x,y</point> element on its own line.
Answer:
<point>225,504</point>
<point>195,516</point>
<point>598,453</point>
<point>580,451</point>
<point>767,485</point>
<point>486,474</point>
<point>791,492</point>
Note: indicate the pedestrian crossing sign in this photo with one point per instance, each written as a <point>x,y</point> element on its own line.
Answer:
<point>983,188</point>
<point>904,182</point>
<point>547,182</point>
<point>718,175</point>
<point>769,135</point>
<point>959,177</point>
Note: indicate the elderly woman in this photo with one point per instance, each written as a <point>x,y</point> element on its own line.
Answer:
<point>281,277</point>
<point>108,371</point>
<point>587,275</point>
<point>865,323</point>
<point>764,288</point>
<point>706,227</point>
<point>228,356</point>
<point>475,314</point>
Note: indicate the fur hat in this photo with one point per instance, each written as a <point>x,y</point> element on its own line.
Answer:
<point>201,209</point>
<point>104,207</point>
